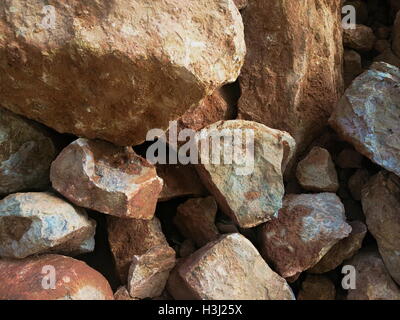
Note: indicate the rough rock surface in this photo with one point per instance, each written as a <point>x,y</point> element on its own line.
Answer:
<point>149,272</point>
<point>122,294</point>
<point>307,227</point>
<point>367,115</point>
<point>317,288</point>
<point>130,237</point>
<point>31,279</point>
<point>381,205</point>
<point>241,4</point>
<point>352,66</point>
<point>33,223</point>
<point>26,152</point>
<point>195,219</point>
<point>389,57</point>
<point>292,76</point>
<point>138,63</point>
<point>100,176</point>
<point>316,172</point>
<point>362,38</point>
<point>250,187</point>
<point>357,182</point>
<point>343,250</point>
<point>229,268</point>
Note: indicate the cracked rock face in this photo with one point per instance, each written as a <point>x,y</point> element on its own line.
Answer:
<point>307,227</point>
<point>113,69</point>
<point>105,178</point>
<point>368,115</point>
<point>26,153</point>
<point>33,223</point>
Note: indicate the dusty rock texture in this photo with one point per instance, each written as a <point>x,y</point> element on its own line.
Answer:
<point>100,176</point>
<point>292,76</point>
<point>362,38</point>
<point>381,205</point>
<point>343,250</point>
<point>229,268</point>
<point>138,63</point>
<point>307,227</point>
<point>26,152</point>
<point>33,223</point>
<point>357,182</point>
<point>130,237</point>
<point>31,279</point>
<point>249,188</point>
<point>317,288</point>
<point>316,172</point>
<point>195,219</point>
<point>367,115</point>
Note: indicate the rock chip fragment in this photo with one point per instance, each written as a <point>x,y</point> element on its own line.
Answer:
<point>122,294</point>
<point>317,288</point>
<point>362,38</point>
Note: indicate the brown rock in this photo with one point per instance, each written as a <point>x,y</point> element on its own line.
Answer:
<point>186,248</point>
<point>383,32</point>
<point>229,268</point>
<point>241,4</point>
<point>349,159</point>
<point>396,36</point>
<point>389,57</point>
<point>109,179</point>
<point>362,38</point>
<point>307,227</point>
<point>122,294</point>
<point>32,279</point>
<point>316,172</point>
<point>317,288</point>
<point>195,219</point>
<point>352,66</point>
<point>382,45</point>
<point>357,182</point>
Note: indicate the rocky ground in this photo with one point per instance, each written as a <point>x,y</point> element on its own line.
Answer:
<point>84,214</point>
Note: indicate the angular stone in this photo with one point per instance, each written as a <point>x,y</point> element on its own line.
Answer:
<point>100,176</point>
<point>195,219</point>
<point>362,38</point>
<point>316,172</point>
<point>307,227</point>
<point>229,268</point>
<point>381,205</point>
<point>130,237</point>
<point>123,294</point>
<point>108,70</point>
<point>373,282</point>
<point>250,188</point>
<point>291,80</point>
<point>317,288</point>
<point>149,272</point>
<point>33,223</point>
<point>367,115</point>
<point>396,36</point>
<point>342,250</point>
<point>357,182</point>
<point>30,279</point>
<point>26,153</point>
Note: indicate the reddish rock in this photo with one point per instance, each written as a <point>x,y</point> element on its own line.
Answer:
<point>349,159</point>
<point>105,178</point>
<point>362,38</point>
<point>186,248</point>
<point>32,279</point>
<point>357,182</point>
<point>317,288</point>
<point>122,294</point>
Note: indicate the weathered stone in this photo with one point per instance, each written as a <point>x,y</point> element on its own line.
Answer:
<point>373,282</point>
<point>362,38</point>
<point>32,223</point>
<point>357,182</point>
<point>349,159</point>
<point>26,153</point>
<point>113,69</point>
<point>195,219</point>
<point>389,57</point>
<point>292,76</point>
<point>123,294</point>
<point>316,172</point>
<point>249,188</point>
<point>130,237</point>
<point>229,268</point>
<point>396,36</point>
<point>100,176</point>
<point>367,115</point>
<point>317,288</point>
<point>352,66</point>
<point>307,227</point>
<point>241,4</point>
<point>149,272</point>
<point>186,248</point>
<point>30,279</point>
<point>342,250</point>
<point>381,205</point>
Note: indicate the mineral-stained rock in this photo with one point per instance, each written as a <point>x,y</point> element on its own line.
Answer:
<point>368,115</point>
<point>130,237</point>
<point>381,205</point>
<point>26,152</point>
<point>292,76</point>
<point>195,219</point>
<point>396,36</point>
<point>307,227</point>
<point>149,272</point>
<point>113,69</point>
<point>247,180</point>
<point>342,250</point>
<point>33,279</point>
<point>357,182</point>
<point>352,66</point>
<point>32,223</point>
<point>317,288</point>
<point>229,268</point>
<point>316,172</point>
<point>349,159</point>
<point>373,282</point>
<point>362,38</point>
<point>122,294</point>
<point>100,176</point>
